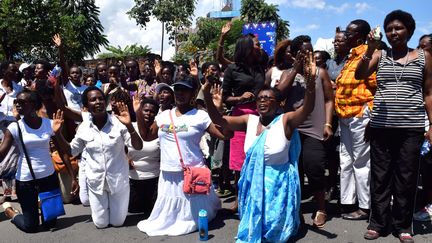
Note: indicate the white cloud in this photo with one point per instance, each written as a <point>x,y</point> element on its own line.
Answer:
<point>314,4</point>
<point>308,4</point>
<point>425,28</point>
<point>303,29</point>
<point>361,7</point>
<point>122,31</point>
<point>338,9</point>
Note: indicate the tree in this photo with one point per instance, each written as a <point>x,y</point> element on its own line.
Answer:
<point>118,53</point>
<point>175,14</point>
<point>260,11</point>
<point>27,26</point>
<point>204,42</point>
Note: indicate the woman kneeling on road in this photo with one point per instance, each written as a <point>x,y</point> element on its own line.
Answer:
<point>104,137</point>
<point>269,185</point>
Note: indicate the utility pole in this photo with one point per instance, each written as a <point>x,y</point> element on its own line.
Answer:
<point>162,43</point>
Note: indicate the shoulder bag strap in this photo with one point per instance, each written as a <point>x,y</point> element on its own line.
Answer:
<point>175,137</point>
<point>25,152</point>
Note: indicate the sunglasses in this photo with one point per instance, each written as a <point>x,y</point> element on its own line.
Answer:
<point>20,102</point>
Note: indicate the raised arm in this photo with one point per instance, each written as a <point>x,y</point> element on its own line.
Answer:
<point>428,92</point>
<point>293,119</point>
<point>63,64</point>
<point>60,140</point>
<point>288,76</point>
<point>220,48</point>
<point>227,124</point>
<point>124,117</point>
<point>369,62</point>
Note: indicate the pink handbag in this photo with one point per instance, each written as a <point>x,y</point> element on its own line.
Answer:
<point>197,180</point>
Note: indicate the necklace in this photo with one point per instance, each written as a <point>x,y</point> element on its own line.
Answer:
<point>403,70</point>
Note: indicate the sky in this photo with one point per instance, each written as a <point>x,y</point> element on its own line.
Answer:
<point>316,18</point>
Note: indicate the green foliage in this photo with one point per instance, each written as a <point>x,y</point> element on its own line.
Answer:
<point>260,11</point>
<point>204,42</point>
<point>27,26</point>
<point>175,14</point>
<point>118,53</point>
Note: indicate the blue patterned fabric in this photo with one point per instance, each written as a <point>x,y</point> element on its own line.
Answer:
<point>269,195</point>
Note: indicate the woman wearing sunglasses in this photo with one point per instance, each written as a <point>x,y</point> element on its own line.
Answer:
<point>269,185</point>
<point>35,133</point>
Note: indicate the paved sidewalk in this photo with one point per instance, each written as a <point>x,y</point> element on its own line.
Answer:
<point>76,226</point>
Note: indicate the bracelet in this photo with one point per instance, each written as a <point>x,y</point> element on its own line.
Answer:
<point>366,58</point>
<point>132,132</point>
<point>328,125</point>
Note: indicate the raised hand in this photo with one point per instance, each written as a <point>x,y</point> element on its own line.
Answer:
<point>193,68</point>
<point>372,41</point>
<point>123,113</point>
<point>217,96</point>
<point>157,67</point>
<point>309,70</point>
<point>226,28</point>
<point>57,40</point>
<point>57,121</point>
<point>136,102</point>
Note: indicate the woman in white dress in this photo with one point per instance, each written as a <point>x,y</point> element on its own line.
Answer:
<point>176,213</point>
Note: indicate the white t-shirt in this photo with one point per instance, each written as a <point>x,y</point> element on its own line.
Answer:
<point>190,127</point>
<point>275,76</point>
<point>37,144</point>
<point>6,105</point>
<point>73,94</point>
<point>146,161</point>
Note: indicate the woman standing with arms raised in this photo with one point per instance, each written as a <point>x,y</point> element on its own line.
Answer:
<point>242,80</point>
<point>404,77</point>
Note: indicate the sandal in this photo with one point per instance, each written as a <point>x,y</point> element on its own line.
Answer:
<point>6,206</point>
<point>371,235</point>
<point>320,219</point>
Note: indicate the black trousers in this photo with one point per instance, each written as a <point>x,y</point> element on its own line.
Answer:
<point>395,154</point>
<point>313,160</point>
<point>143,194</point>
<point>27,194</point>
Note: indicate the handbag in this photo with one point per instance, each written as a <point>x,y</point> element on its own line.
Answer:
<point>51,202</point>
<point>9,165</point>
<point>197,180</point>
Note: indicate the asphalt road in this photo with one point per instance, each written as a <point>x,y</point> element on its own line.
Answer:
<point>76,226</point>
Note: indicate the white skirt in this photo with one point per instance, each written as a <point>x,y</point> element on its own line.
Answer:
<point>175,213</point>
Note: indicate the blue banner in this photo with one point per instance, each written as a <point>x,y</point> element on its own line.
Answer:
<point>266,34</point>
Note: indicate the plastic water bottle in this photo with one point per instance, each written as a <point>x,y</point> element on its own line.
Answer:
<point>425,148</point>
<point>203,225</point>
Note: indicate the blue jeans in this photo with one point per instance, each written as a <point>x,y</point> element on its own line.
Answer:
<point>27,194</point>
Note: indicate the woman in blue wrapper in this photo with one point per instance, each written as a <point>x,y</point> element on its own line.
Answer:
<point>269,186</point>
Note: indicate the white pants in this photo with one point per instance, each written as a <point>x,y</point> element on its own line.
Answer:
<point>354,161</point>
<point>83,191</point>
<point>109,208</point>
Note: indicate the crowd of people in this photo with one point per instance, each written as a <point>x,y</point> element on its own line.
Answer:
<point>264,122</point>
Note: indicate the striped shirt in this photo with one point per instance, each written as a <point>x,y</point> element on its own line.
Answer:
<point>352,94</point>
<point>399,104</point>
